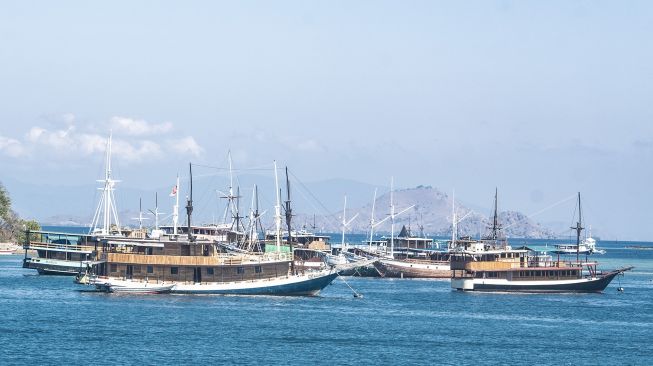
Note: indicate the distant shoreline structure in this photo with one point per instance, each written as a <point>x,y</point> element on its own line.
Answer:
<point>640,247</point>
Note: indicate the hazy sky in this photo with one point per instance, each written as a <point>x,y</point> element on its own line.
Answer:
<point>542,99</point>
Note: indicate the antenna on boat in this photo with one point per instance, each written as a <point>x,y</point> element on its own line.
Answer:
<point>288,219</point>
<point>579,228</point>
<point>156,212</point>
<point>140,217</point>
<point>189,204</point>
<point>106,208</point>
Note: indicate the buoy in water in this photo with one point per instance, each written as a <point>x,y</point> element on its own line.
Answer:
<point>358,296</point>
<point>620,289</point>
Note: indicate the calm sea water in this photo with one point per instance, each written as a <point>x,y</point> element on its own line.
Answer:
<point>48,320</point>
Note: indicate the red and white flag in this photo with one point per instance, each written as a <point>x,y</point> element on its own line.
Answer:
<point>174,191</point>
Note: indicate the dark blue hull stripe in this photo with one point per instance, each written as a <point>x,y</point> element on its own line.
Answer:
<point>308,287</point>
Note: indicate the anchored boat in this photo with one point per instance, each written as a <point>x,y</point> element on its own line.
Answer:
<point>189,265</point>
<point>492,265</point>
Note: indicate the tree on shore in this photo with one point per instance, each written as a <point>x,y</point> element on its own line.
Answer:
<point>12,227</point>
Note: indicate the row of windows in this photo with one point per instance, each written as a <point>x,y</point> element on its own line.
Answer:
<point>135,269</point>
<point>561,273</point>
<point>175,270</point>
<point>211,270</point>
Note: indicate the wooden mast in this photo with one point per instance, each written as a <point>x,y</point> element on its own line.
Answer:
<point>579,227</point>
<point>189,204</point>
<point>288,220</point>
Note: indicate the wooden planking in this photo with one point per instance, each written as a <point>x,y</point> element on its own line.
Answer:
<point>490,266</point>
<point>175,260</point>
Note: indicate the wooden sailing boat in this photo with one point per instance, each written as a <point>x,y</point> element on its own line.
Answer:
<point>418,262</point>
<point>192,265</point>
<point>492,265</point>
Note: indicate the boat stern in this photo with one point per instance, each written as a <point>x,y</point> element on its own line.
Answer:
<point>462,284</point>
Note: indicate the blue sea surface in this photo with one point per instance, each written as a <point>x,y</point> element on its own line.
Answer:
<point>50,320</point>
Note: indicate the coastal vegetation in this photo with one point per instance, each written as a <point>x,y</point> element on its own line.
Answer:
<point>12,227</point>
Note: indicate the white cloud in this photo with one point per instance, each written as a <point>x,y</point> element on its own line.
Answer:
<point>136,152</point>
<point>67,142</point>
<point>186,145</point>
<point>59,140</point>
<point>11,147</point>
<point>138,127</point>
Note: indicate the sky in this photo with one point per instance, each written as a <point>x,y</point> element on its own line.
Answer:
<point>539,99</point>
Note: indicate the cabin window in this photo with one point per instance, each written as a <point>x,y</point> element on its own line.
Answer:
<point>240,270</point>
<point>114,268</point>
<point>137,269</point>
<point>185,250</point>
<point>209,271</point>
<point>257,269</point>
<point>150,269</point>
<point>174,270</point>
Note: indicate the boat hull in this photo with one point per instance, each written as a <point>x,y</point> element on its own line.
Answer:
<point>407,269</point>
<point>299,285</point>
<point>53,266</point>
<point>593,284</point>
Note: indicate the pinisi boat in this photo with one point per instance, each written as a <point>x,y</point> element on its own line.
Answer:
<point>495,266</point>
<point>190,265</point>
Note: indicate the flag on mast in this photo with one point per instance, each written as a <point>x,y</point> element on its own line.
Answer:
<point>174,191</point>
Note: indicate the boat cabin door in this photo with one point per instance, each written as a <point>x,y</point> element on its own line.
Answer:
<point>197,274</point>
<point>129,273</point>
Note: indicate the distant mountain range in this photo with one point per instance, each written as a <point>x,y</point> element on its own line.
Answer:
<point>431,214</point>
<point>318,203</point>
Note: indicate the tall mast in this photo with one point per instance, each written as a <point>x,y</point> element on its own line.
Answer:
<point>495,220</point>
<point>140,213</point>
<point>156,210</point>
<point>579,227</point>
<point>288,219</point>
<point>277,208</point>
<point>175,208</point>
<point>189,204</point>
<point>454,226</point>
<point>392,218</point>
<point>106,209</point>
<point>253,217</point>
<point>372,221</point>
<point>107,177</point>
<point>344,225</point>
